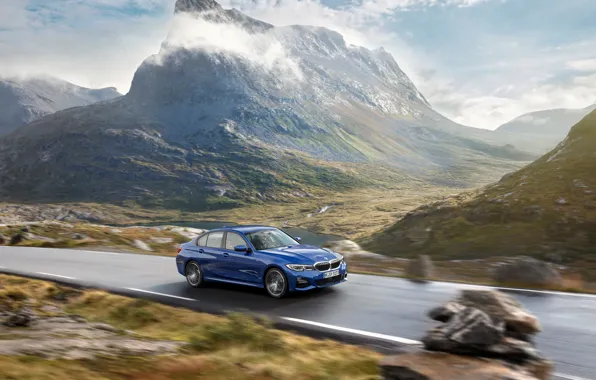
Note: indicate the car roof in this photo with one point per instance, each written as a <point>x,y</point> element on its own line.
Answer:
<point>244,228</point>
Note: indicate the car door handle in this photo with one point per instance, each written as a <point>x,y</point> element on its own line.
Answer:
<point>226,254</point>
<point>201,251</point>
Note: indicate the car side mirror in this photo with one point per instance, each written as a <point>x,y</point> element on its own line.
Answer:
<point>242,248</point>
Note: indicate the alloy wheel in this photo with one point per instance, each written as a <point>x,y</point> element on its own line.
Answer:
<point>193,274</point>
<point>276,283</point>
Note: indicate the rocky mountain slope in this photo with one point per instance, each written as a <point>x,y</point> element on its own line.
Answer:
<point>233,110</point>
<point>25,100</point>
<point>547,210</point>
<point>542,130</point>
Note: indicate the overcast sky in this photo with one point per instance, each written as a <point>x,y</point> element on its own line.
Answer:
<point>479,62</point>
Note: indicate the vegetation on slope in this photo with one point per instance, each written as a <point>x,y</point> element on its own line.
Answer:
<point>213,347</point>
<point>546,210</point>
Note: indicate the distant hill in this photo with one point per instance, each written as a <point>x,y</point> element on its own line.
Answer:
<point>542,129</point>
<point>547,207</point>
<point>25,100</point>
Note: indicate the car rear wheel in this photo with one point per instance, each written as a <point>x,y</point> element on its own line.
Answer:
<point>276,283</point>
<point>194,274</point>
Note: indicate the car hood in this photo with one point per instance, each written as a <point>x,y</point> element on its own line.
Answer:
<point>302,251</point>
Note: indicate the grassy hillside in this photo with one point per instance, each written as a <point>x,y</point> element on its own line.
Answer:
<point>547,210</point>
<point>123,338</point>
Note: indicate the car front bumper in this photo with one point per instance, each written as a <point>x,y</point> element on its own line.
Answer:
<point>312,279</point>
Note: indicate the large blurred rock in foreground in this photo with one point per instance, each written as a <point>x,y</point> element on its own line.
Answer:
<point>498,305</point>
<point>485,334</point>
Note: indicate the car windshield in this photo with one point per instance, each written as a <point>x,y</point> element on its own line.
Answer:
<point>267,239</point>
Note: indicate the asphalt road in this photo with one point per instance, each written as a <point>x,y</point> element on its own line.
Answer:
<point>378,307</point>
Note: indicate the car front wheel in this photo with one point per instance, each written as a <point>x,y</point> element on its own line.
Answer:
<point>276,283</point>
<point>194,274</point>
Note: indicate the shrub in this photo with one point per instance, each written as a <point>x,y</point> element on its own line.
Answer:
<point>240,329</point>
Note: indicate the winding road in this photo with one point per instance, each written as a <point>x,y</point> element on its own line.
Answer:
<point>367,307</point>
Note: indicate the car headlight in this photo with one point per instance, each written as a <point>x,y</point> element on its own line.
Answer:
<point>300,267</point>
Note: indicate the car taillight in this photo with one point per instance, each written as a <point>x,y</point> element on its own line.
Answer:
<point>179,249</point>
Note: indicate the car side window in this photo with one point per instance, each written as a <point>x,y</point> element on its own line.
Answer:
<point>233,239</point>
<point>202,242</point>
<point>214,240</point>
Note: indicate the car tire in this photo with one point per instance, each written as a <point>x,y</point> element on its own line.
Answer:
<point>276,283</point>
<point>194,274</point>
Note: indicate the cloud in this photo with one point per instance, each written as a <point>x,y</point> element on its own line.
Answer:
<point>583,65</point>
<point>492,110</point>
<point>263,50</point>
<point>479,62</point>
<point>93,43</point>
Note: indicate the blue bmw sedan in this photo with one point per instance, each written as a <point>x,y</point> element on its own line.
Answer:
<point>259,256</point>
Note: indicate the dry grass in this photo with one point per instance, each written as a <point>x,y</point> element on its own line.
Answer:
<point>233,347</point>
<point>352,215</point>
<point>86,235</point>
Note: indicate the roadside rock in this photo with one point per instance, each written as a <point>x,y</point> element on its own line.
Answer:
<point>30,236</point>
<point>420,268</point>
<point>498,305</point>
<point>142,245</point>
<point>474,342</point>
<point>556,257</point>
<point>488,324</point>
<point>162,240</point>
<point>51,309</point>
<point>105,327</point>
<point>187,232</point>
<point>509,349</point>
<point>473,327</point>
<point>16,239</point>
<point>343,246</point>
<point>445,312</point>
<point>440,366</point>
<point>349,248</point>
<point>22,318</point>
<point>528,271</point>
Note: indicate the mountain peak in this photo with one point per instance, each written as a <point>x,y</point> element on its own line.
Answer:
<point>196,6</point>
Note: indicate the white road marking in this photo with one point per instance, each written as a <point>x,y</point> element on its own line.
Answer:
<point>354,331</point>
<point>56,275</point>
<point>161,294</point>
<point>569,377</point>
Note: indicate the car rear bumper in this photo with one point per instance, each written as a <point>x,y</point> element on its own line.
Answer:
<point>308,280</point>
